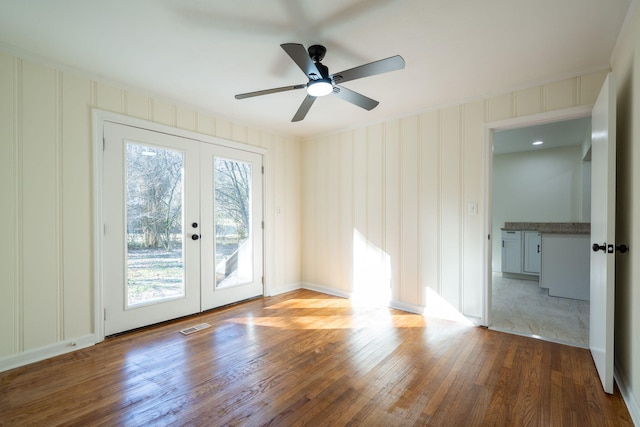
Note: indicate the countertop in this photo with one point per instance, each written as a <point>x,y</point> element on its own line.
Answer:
<point>550,227</point>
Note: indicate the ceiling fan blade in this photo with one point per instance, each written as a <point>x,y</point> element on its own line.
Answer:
<point>355,98</point>
<point>371,69</point>
<point>304,108</point>
<point>268,91</point>
<point>300,56</point>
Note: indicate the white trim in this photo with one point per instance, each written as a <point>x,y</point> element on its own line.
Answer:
<point>284,289</point>
<point>487,255</point>
<point>541,118</point>
<point>627,394</point>
<point>266,237</point>
<point>98,226</point>
<point>46,352</point>
<point>410,308</point>
<point>326,290</point>
<point>99,117</point>
<point>489,128</point>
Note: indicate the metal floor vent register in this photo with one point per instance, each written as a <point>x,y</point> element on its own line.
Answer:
<point>194,329</point>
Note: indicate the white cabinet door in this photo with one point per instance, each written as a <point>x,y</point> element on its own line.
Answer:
<point>531,252</point>
<point>511,251</point>
<point>565,261</point>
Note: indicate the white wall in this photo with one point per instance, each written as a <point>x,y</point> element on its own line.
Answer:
<point>405,186</point>
<point>46,258</point>
<point>536,186</point>
<point>626,65</point>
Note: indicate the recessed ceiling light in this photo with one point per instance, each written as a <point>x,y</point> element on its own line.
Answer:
<point>538,143</point>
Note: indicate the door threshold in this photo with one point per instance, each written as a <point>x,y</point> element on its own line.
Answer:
<point>538,337</point>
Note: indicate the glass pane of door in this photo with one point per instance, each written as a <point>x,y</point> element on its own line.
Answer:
<point>232,219</point>
<point>154,188</point>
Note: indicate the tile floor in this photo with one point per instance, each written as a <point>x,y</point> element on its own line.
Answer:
<point>522,307</point>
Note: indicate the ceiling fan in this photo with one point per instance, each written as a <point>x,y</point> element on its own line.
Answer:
<point>322,83</point>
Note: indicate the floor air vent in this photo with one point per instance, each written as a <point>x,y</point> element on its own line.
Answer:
<point>194,329</point>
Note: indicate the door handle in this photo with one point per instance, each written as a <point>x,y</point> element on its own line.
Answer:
<point>623,249</point>
<point>195,236</point>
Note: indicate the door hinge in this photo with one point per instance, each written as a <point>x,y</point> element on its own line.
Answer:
<point>105,314</point>
<point>262,170</point>
<point>263,280</point>
<point>103,143</point>
<point>263,225</point>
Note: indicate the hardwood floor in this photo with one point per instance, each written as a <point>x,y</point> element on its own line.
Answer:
<point>306,358</point>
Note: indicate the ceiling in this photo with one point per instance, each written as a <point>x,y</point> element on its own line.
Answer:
<point>201,53</point>
<point>553,135</point>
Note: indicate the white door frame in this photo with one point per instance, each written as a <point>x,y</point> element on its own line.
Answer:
<point>99,117</point>
<point>489,128</point>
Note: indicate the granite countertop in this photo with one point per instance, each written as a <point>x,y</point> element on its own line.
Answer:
<point>550,227</point>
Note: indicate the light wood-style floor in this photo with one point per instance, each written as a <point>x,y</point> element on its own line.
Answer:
<point>306,358</point>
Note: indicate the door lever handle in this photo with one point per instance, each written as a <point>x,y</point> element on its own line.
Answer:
<point>596,247</point>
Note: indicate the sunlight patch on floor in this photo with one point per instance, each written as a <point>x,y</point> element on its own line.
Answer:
<point>334,322</point>
<point>440,308</point>
<point>312,303</point>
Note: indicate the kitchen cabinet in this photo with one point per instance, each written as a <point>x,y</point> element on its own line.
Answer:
<point>556,254</point>
<point>511,251</point>
<point>566,265</point>
<point>532,257</point>
<point>521,252</point>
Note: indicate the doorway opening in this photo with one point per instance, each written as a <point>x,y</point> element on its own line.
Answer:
<point>539,197</point>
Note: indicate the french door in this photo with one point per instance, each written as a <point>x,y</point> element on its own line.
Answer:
<point>182,226</point>
<point>231,213</point>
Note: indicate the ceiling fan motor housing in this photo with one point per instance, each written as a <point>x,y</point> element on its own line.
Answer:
<point>316,52</point>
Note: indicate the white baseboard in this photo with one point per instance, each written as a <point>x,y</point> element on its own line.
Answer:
<point>284,289</point>
<point>411,308</point>
<point>627,394</point>
<point>326,290</point>
<point>45,352</point>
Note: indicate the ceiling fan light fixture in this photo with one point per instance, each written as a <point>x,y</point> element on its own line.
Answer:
<point>321,83</point>
<point>319,87</point>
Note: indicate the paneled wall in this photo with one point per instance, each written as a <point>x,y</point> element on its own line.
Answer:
<point>390,204</point>
<point>46,217</point>
<point>626,65</point>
